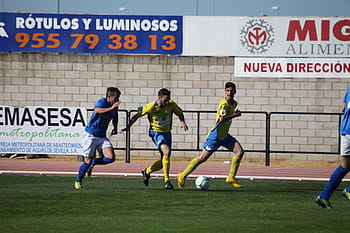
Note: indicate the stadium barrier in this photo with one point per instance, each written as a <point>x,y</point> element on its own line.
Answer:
<point>268,145</point>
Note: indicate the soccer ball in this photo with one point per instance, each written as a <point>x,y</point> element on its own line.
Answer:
<point>202,182</point>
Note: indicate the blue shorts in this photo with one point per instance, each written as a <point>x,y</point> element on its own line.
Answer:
<point>212,145</point>
<point>160,138</point>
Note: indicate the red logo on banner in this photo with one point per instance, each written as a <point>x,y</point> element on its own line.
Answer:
<point>309,30</point>
<point>257,36</point>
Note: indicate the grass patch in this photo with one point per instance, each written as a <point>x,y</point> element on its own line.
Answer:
<point>50,204</point>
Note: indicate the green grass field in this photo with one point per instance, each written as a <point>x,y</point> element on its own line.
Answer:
<point>47,204</point>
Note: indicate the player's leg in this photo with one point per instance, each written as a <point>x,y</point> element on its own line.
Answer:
<point>89,148</point>
<point>166,161</point>
<point>210,145</point>
<point>107,157</point>
<point>338,174</point>
<point>335,179</point>
<point>238,152</point>
<point>204,156</point>
<point>81,173</point>
<point>346,163</point>
<point>333,183</point>
<point>146,172</point>
<point>163,142</point>
<point>106,152</point>
<point>156,166</point>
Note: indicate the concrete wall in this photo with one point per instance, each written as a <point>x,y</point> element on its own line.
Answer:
<point>196,83</point>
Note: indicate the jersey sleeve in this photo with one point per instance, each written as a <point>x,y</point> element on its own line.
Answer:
<point>176,109</point>
<point>101,103</point>
<point>146,109</point>
<point>346,96</point>
<point>222,111</point>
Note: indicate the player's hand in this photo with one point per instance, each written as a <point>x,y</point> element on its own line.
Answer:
<point>114,132</point>
<point>238,112</point>
<point>116,104</point>
<point>122,131</point>
<point>184,126</point>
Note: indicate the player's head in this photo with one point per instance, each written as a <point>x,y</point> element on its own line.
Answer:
<point>230,89</point>
<point>163,92</point>
<point>113,94</point>
<point>163,96</point>
<point>230,84</point>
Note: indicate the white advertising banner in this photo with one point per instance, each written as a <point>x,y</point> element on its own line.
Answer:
<point>267,36</point>
<point>41,130</point>
<point>292,67</point>
<point>210,36</point>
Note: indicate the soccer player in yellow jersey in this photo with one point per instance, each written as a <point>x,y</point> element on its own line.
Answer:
<point>160,114</point>
<point>219,136</point>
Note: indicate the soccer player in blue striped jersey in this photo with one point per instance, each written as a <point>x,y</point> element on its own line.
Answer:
<point>160,113</point>
<point>94,139</point>
<point>219,136</point>
<point>344,167</point>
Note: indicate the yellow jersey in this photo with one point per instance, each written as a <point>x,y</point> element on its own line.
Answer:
<point>160,118</point>
<point>221,129</point>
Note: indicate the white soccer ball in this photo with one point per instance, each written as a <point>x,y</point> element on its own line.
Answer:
<point>202,182</point>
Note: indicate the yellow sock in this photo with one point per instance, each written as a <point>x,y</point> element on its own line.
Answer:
<point>234,166</point>
<point>157,165</point>
<point>190,167</point>
<point>166,167</point>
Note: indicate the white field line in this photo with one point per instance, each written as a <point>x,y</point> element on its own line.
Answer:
<point>172,175</point>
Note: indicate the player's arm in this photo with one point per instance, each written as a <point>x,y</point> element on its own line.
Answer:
<point>183,122</point>
<point>178,112</point>
<point>343,107</point>
<point>115,124</point>
<point>132,121</point>
<point>141,112</point>
<point>104,110</point>
<point>237,113</point>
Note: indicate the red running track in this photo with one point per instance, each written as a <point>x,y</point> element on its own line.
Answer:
<point>133,169</point>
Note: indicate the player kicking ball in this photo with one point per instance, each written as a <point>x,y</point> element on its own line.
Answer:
<point>219,136</point>
<point>105,110</point>
<point>160,114</point>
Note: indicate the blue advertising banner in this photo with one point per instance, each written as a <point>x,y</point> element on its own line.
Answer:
<point>72,33</point>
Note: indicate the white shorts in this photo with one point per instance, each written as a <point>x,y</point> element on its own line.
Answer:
<point>345,145</point>
<point>91,143</point>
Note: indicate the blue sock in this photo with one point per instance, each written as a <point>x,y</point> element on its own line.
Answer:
<point>333,183</point>
<point>82,170</point>
<point>102,161</point>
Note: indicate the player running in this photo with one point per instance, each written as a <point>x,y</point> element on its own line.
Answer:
<point>344,167</point>
<point>219,136</point>
<point>105,110</point>
<point>159,114</point>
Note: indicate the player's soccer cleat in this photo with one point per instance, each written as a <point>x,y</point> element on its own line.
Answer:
<point>180,181</point>
<point>323,203</point>
<point>78,185</point>
<point>89,171</point>
<point>346,194</point>
<point>233,182</point>
<point>146,176</point>
<point>168,185</point>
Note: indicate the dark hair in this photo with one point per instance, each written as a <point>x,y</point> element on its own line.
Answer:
<point>230,84</point>
<point>111,90</point>
<point>163,91</point>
